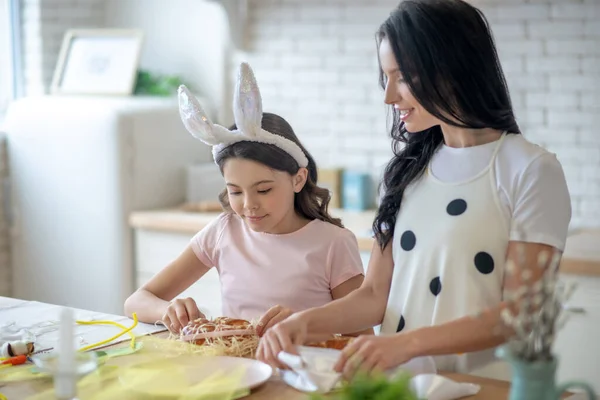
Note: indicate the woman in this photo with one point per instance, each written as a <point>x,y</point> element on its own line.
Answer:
<point>464,192</point>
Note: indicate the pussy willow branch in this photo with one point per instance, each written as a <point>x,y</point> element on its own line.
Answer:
<point>534,311</point>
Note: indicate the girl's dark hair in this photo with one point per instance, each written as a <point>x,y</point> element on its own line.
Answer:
<point>312,201</point>
<point>446,53</point>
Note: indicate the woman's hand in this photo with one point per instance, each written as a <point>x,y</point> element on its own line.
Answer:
<point>275,315</point>
<point>369,354</point>
<point>179,313</point>
<point>284,336</point>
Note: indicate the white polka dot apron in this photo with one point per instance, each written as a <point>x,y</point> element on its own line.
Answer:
<point>449,249</point>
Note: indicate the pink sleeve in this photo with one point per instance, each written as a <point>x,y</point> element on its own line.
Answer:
<point>205,243</point>
<point>344,259</point>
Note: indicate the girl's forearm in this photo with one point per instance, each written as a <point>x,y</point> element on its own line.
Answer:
<point>148,307</point>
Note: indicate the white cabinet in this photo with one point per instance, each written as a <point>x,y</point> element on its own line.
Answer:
<point>77,165</point>
<point>155,249</point>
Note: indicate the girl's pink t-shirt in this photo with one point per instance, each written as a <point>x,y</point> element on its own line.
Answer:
<point>261,270</point>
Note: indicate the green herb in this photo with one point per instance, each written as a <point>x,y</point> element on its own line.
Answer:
<point>376,387</point>
<point>151,84</point>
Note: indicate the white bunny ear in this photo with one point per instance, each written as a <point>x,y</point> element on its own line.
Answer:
<point>247,103</point>
<point>195,119</point>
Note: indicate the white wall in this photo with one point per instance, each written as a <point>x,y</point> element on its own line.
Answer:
<point>182,37</point>
<point>315,63</point>
<point>44,23</point>
<point>188,38</point>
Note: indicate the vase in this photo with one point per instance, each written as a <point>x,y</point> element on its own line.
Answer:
<point>536,380</point>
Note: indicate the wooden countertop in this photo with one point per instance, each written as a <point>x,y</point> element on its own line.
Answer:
<point>273,389</point>
<point>276,389</point>
<point>581,255</point>
<point>491,389</point>
<point>175,220</point>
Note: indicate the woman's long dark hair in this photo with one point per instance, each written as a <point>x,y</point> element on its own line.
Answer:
<point>312,201</point>
<point>446,53</point>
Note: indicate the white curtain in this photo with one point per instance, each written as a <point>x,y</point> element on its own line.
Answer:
<point>6,65</point>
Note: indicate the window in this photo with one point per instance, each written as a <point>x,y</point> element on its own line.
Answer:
<point>6,53</point>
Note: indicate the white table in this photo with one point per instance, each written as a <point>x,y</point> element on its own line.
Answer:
<point>42,320</point>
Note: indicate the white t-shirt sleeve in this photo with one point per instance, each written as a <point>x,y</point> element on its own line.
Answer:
<point>542,204</point>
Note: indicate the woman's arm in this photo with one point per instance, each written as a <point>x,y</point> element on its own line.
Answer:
<point>470,334</point>
<point>278,313</point>
<point>463,335</point>
<point>361,309</point>
<point>151,301</point>
<point>343,290</point>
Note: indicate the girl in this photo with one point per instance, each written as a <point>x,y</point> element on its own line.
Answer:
<point>276,248</point>
<point>463,192</point>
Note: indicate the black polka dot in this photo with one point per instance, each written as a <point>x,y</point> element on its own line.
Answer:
<point>435,286</point>
<point>456,207</point>
<point>401,324</point>
<point>408,240</point>
<point>484,262</point>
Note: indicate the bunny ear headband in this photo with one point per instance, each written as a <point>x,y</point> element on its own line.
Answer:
<point>247,112</point>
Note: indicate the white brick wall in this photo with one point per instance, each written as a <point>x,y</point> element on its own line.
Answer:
<point>44,23</point>
<point>315,62</point>
<point>5,265</point>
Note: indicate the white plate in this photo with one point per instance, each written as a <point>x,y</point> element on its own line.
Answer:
<point>193,370</point>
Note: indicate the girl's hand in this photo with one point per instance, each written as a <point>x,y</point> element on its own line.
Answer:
<point>284,336</point>
<point>275,315</point>
<point>179,313</point>
<point>369,353</point>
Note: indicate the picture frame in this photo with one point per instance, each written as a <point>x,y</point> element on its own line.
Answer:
<point>98,61</point>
